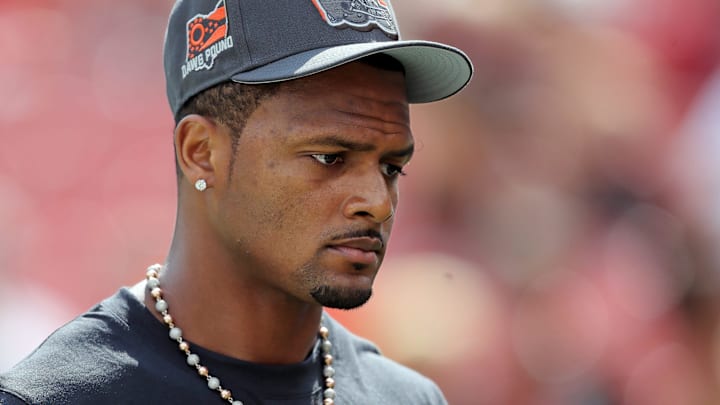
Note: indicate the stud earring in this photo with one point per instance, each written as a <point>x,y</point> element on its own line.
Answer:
<point>200,185</point>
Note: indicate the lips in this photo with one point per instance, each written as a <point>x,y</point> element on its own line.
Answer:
<point>358,250</point>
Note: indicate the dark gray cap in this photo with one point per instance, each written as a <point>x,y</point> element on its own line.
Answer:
<point>262,41</point>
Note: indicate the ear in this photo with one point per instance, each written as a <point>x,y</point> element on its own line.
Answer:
<point>198,146</point>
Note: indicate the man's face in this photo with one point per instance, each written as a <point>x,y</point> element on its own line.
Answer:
<point>307,210</point>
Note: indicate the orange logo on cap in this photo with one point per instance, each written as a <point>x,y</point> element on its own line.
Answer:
<point>205,30</point>
<point>207,37</point>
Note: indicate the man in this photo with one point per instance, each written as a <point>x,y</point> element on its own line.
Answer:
<point>292,129</point>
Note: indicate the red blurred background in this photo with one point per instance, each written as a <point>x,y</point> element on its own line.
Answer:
<point>556,236</point>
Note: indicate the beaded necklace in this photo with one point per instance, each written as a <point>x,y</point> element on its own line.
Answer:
<point>193,360</point>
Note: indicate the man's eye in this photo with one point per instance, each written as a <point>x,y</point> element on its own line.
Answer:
<point>327,159</point>
<point>392,170</point>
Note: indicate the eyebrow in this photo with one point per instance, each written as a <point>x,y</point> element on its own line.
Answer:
<point>402,153</point>
<point>334,140</point>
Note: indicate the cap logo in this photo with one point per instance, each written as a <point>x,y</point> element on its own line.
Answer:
<point>358,14</point>
<point>207,37</point>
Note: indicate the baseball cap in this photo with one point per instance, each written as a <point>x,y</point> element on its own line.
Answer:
<point>208,42</point>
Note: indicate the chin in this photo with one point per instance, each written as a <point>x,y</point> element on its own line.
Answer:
<point>341,297</point>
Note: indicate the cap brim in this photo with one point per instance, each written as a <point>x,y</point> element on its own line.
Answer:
<point>433,71</point>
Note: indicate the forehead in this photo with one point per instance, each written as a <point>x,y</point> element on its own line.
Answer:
<point>353,94</point>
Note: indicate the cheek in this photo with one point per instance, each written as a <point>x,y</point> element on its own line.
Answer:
<point>259,229</point>
<point>300,211</point>
<point>284,212</point>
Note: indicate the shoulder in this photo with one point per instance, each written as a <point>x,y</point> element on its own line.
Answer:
<point>87,358</point>
<point>364,375</point>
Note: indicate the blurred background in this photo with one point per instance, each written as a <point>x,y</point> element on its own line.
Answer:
<point>556,240</point>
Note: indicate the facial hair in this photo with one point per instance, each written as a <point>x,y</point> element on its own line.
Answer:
<point>341,298</point>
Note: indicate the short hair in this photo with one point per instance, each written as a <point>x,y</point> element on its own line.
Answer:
<point>231,103</point>
<point>227,103</point>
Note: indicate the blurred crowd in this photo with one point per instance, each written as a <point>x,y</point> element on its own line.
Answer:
<point>555,242</point>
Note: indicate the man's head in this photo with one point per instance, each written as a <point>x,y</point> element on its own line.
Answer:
<point>308,205</point>
<point>296,115</point>
<point>230,103</point>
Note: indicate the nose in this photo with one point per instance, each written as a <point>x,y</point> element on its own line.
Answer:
<point>371,196</point>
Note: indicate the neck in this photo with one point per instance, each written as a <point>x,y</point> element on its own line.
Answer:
<point>222,309</point>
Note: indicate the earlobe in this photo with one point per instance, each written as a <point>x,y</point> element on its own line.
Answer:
<point>194,140</point>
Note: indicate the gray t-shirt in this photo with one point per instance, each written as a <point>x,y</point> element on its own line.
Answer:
<point>119,353</point>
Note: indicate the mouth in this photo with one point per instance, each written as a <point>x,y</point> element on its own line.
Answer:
<point>365,250</point>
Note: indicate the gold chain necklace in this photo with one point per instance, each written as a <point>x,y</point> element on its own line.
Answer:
<point>193,360</point>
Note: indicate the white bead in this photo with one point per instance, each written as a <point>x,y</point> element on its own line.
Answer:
<point>153,283</point>
<point>213,383</point>
<point>193,359</point>
<point>153,270</point>
<point>326,346</point>
<point>161,305</point>
<point>237,403</point>
<point>175,333</point>
<point>328,371</point>
<point>329,393</point>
